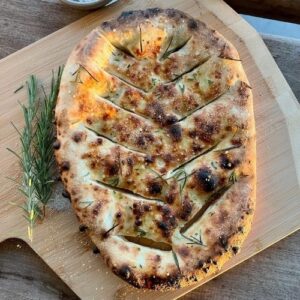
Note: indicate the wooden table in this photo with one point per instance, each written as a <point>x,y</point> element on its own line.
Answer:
<point>273,274</point>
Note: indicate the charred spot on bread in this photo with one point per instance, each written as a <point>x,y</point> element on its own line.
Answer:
<point>235,249</point>
<point>186,209</point>
<point>89,121</point>
<point>124,272</point>
<point>111,168</point>
<point>118,215</point>
<point>156,110</point>
<point>157,258</point>
<point>170,198</point>
<point>163,226</point>
<point>209,260</point>
<point>200,264</point>
<point>175,132</point>
<point>149,159</point>
<point>244,91</point>
<point>154,188</point>
<point>65,166</point>
<point>77,136</point>
<point>223,241</point>
<point>96,209</point>
<point>206,180</point>
<point>171,120</point>
<point>83,228</point>
<point>130,161</point>
<point>138,210</point>
<point>154,281</point>
<point>66,194</point>
<point>184,251</point>
<point>56,145</point>
<point>147,207</point>
<point>138,222</point>
<point>226,163</point>
<point>192,24</point>
<point>96,250</point>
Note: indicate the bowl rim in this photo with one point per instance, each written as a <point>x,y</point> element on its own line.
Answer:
<point>79,3</point>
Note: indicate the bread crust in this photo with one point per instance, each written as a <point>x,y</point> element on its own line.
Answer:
<point>156,138</point>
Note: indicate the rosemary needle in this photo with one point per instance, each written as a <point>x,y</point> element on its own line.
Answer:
<point>18,89</point>
<point>36,155</point>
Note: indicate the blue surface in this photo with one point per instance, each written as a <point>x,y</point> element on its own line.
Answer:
<point>268,26</point>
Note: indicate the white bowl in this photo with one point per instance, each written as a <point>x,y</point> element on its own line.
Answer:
<point>89,4</point>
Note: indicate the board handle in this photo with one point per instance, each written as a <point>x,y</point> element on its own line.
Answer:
<point>13,224</point>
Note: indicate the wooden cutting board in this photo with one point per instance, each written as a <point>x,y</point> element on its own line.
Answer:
<point>277,113</point>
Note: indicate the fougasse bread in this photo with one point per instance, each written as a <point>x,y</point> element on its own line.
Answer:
<point>156,146</point>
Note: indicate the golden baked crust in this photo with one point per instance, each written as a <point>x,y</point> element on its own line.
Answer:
<point>156,139</point>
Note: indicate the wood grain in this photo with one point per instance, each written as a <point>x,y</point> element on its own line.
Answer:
<point>55,217</point>
<point>260,277</point>
<point>24,22</point>
<point>286,53</point>
<point>23,275</point>
<point>285,10</point>
<point>271,275</point>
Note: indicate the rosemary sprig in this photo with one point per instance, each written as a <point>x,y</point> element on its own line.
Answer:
<point>193,240</point>
<point>26,157</point>
<point>36,155</point>
<point>181,176</point>
<point>158,175</point>
<point>77,73</point>
<point>114,181</point>
<point>43,141</point>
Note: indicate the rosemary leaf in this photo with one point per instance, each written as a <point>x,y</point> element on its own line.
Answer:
<point>210,82</point>
<point>18,89</point>
<point>141,232</point>
<point>176,260</point>
<point>114,181</point>
<point>87,202</point>
<point>233,177</point>
<point>182,88</point>
<point>158,175</point>
<point>111,229</point>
